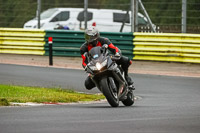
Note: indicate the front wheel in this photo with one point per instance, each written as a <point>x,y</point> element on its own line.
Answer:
<point>109,92</point>
<point>130,99</point>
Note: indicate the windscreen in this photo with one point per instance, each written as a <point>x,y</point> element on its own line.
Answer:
<point>95,52</point>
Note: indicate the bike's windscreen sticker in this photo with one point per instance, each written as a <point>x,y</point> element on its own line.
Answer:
<point>95,56</point>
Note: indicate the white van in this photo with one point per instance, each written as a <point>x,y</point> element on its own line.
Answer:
<point>73,19</point>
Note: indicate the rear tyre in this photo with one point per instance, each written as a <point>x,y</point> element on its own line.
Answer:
<point>109,93</point>
<point>130,99</point>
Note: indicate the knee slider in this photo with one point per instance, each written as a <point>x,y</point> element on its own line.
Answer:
<point>89,84</point>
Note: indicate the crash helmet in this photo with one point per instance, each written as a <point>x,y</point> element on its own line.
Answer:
<point>91,34</point>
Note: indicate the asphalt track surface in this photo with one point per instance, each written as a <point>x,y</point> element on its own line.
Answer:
<point>168,104</point>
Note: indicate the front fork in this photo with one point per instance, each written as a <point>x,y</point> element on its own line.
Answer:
<point>123,86</point>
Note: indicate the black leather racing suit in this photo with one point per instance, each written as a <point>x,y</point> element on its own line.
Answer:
<point>125,62</point>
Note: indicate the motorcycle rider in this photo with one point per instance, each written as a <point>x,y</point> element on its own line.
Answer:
<point>93,39</point>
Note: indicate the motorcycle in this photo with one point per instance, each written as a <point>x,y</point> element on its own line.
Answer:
<point>109,77</point>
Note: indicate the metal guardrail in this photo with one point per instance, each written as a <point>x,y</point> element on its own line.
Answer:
<point>21,41</point>
<point>68,43</point>
<point>65,43</point>
<point>167,47</point>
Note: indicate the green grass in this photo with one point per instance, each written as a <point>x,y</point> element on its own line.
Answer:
<point>21,94</point>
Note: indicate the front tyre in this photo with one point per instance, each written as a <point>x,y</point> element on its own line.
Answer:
<point>109,92</point>
<point>130,99</point>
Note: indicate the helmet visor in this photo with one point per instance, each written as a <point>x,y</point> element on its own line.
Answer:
<point>90,38</point>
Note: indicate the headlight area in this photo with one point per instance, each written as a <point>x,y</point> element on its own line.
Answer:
<point>99,66</point>
<point>93,68</point>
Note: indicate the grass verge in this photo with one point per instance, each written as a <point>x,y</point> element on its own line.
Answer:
<point>21,94</point>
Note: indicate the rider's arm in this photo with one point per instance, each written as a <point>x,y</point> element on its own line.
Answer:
<point>111,47</point>
<point>83,50</point>
<point>83,62</point>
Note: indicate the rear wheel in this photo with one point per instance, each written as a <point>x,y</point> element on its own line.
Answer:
<point>109,91</point>
<point>130,99</point>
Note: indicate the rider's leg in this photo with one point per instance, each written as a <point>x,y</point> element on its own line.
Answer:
<point>125,62</point>
<point>89,84</point>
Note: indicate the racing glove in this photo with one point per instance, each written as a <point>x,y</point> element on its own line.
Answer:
<point>117,54</point>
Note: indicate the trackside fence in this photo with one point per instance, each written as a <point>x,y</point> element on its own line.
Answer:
<point>21,41</point>
<point>169,47</point>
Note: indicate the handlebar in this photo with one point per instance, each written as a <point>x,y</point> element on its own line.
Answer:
<point>115,58</point>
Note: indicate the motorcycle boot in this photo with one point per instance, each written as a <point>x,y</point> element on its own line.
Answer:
<point>129,81</point>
